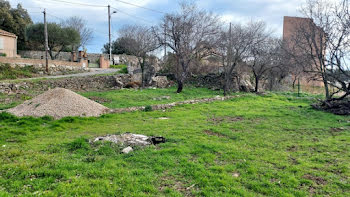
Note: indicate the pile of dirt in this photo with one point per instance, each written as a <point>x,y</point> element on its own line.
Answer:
<point>59,103</point>
<point>341,107</point>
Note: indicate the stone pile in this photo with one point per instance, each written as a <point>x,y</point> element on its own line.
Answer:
<point>129,141</point>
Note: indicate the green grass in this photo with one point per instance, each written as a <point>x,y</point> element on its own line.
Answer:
<point>8,72</point>
<point>130,97</point>
<point>121,66</point>
<point>273,145</point>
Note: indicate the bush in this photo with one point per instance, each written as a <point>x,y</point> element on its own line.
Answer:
<point>148,108</point>
<point>3,55</point>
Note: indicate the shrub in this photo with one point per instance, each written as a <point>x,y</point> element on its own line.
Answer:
<point>3,55</point>
<point>148,108</point>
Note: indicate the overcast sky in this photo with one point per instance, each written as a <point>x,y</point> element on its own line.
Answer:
<point>270,11</point>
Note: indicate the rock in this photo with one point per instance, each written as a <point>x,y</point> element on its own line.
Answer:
<point>236,174</point>
<point>162,98</point>
<point>127,150</point>
<point>127,139</point>
<point>160,82</point>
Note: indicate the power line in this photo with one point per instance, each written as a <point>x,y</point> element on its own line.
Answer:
<point>76,3</point>
<point>133,16</point>
<point>55,16</point>
<point>153,10</point>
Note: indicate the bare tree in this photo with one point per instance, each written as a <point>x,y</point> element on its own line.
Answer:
<point>190,34</point>
<point>264,58</point>
<point>321,44</point>
<point>80,25</point>
<point>139,41</point>
<point>235,47</point>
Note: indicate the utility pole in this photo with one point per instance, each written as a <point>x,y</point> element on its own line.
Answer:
<point>109,33</point>
<point>46,43</point>
<point>164,42</point>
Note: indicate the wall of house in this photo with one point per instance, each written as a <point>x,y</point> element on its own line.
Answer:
<point>8,45</point>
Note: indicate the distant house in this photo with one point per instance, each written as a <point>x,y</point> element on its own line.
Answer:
<point>8,43</point>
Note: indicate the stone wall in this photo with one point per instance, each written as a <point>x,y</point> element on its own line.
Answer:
<point>88,83</point>
<point>56,67</point>
<point>216,81</point>
<point>94,58</point>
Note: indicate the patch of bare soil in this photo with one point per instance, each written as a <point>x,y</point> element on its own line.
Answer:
<point>315,179</point>
<point>292,148</point>
<point>99,99</point>
<point>212,133</point>
<point>225,118</point>
<point>168,181</point>
<point>341,107</point>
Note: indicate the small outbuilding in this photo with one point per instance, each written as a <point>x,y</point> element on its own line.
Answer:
<point>8,43</point>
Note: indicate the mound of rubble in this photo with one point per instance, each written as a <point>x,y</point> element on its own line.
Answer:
<point>59,103</point>
<point>130,140</point>
<point>341,107</point>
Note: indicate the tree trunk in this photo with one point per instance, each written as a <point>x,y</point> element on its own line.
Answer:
<point>294,81</point>
<point>325,83</point>
<point>257,84</point>
<point>179,85</point>
<point>142,64</point>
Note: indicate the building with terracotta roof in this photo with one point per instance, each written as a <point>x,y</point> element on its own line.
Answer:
<point>8,43</point>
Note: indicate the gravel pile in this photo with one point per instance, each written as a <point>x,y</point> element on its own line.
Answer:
<point>59,103</point>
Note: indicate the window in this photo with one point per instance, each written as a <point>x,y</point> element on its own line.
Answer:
<point>1,43</point>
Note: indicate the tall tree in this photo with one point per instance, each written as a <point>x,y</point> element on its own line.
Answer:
<point>14,20</point>
<point>139,41</point>
<point>264,57</point>
<point>59,37</point>
<point>322,44</point>
<point>80,25</point>
<point>119,46</point>
<point>190,34</point>
<point>235,46</point>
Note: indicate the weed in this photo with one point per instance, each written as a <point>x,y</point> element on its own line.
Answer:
<point>79,144</point>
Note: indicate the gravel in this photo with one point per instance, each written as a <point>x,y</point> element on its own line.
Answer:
<point>59,103</point>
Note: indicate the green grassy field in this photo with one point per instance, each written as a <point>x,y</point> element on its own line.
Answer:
<point>131,97</point>
<point>273,145</point>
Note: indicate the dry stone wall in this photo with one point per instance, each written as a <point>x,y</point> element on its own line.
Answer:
<point>55,67</point>
<point>88,83</point>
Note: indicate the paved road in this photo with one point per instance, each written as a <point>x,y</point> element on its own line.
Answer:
<point>94,71</point>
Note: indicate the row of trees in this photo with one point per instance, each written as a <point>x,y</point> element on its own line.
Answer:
<point>320,47</point>
<point>193,34</point>
<point>68,35</point>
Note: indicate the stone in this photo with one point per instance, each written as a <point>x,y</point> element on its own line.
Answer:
<point>162,98</point>
<point>127,150</point>
<point>160,82</point>
<point>127,139</point>
<point>236,174</point>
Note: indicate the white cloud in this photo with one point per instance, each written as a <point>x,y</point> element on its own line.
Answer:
<point>271,11</point>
